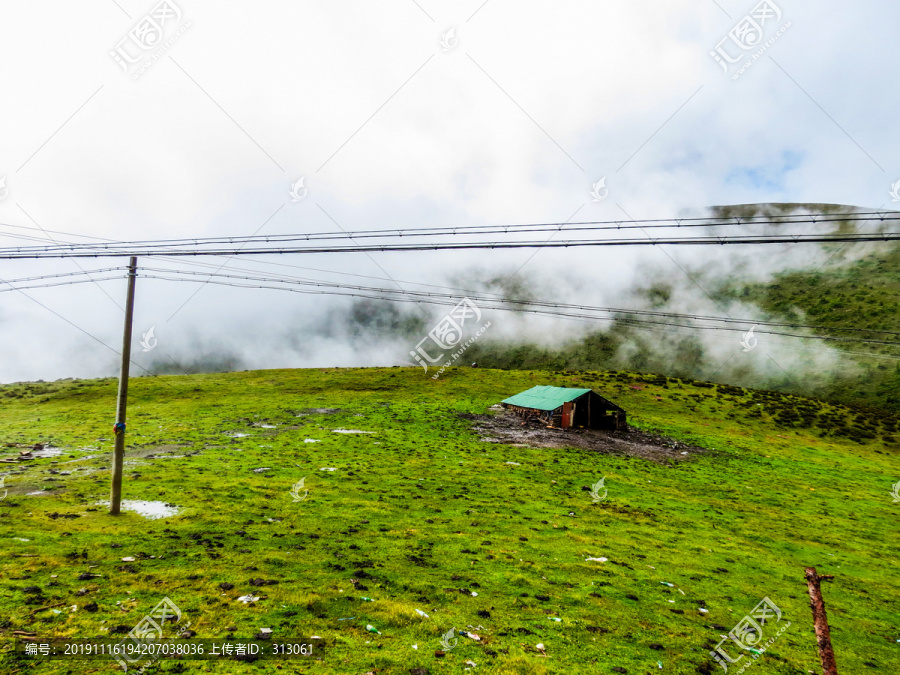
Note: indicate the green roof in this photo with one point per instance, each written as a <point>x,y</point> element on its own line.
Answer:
<point>544,397</point>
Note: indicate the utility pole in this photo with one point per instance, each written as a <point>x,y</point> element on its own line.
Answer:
<point>820,620</point>
<point>115,494</point>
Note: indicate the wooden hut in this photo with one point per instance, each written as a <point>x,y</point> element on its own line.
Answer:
<point>567,408</point>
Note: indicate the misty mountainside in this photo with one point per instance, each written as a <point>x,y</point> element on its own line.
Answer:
<point>818,290</point>
<point>848,286</point>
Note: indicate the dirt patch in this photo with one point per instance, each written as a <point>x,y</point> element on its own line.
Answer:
<point>508,429</point>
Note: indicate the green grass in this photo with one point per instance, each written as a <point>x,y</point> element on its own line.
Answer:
<point>421,508</point>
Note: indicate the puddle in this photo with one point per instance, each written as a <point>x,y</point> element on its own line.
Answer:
<point>351,431</point>
<point>48,451</point>
<point>311,440</point>
<point>149,510</point>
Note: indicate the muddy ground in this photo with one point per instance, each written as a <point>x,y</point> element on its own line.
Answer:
<point>505,427</point>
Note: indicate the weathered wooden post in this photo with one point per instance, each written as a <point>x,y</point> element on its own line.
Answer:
<point>115,493</point>
<point>823,634</point>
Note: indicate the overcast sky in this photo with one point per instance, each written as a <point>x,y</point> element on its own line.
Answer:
<point>408,113</point>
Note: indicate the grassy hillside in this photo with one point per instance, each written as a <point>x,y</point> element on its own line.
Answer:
<point>864,294</point>
<point>859,294</point>
<point>424,515</point>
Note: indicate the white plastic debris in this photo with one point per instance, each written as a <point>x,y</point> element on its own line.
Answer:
<point>265,631</point>
<point>416,646</point>
<point>128,559</point>
<point>596,559</point>
<point>474,594</point>
<point>706,611</point>
<point>540,646</point>
<point>328,468</point>
<point>514,464</point>
<point>421,613</point>
<point>471,663</point>
<point>248,598</point>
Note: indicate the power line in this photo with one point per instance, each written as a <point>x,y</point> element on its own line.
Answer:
<point>83,252</point>
<point>524,304</point>
<point>438,299</point>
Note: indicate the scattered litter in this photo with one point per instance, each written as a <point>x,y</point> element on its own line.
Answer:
<point>128,559</point>
<point>56,611</point>
<point>672,601</point>
<point>347,619</point>
<point>265,631</point>
<point>474,594</point>
<point>416,646</point>
<point>556,619</point>
<point>328,468</point>
<point>372,629</point>
<point>20,539</point>
<point>681,591</point>
<point>683,453</point>
<point>262,468</point>
<point>659,663</point>
<point>421,613</point>
<point>596,559</point>
<point>470,663</point>
<point>238,435</point>
<point>315,637</point>
<point>651,567</point>
<point>514,464</point>
<point>351,431</point>
<point>311,440</point>
<point>471,636</point>
<point>366,599</point>
<point>666,583</point>
<point>540,647</point>
<point>248,598</point>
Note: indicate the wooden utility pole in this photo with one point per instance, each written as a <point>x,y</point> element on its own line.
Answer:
<point>823,634</point>
<point>115,493</point>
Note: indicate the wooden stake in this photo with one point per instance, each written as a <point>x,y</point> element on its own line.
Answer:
<point>823,634</point>
<point>115,493</point>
